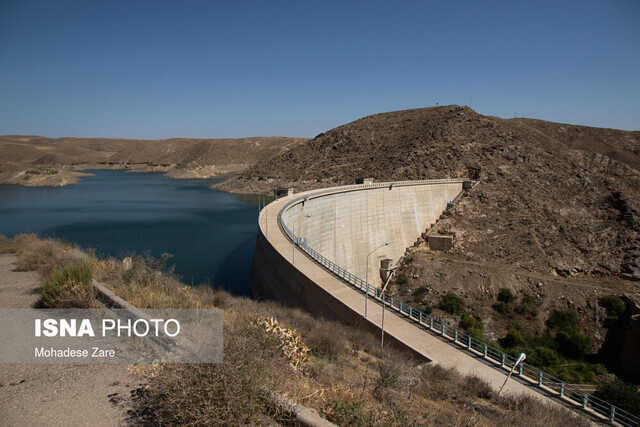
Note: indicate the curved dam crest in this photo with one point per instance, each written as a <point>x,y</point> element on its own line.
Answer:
<point>347,225</point>
<point>343,224</point>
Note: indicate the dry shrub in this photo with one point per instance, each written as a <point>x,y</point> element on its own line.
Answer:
<point>326,340</point>
<point>39,255</point>
<point>69,286</point>
<point>439,383</point>
<point>477,387</point>
<point>233,392</point>
<point>527,410</point>
<point>6,245</point>
<point>366,341</point>
<point>389,370</point>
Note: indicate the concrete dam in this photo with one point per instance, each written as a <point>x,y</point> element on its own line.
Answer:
<point>345,225</point>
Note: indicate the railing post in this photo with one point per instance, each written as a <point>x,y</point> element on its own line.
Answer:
<point>584,400</point>
<point>442,328</point>
<point>520,370</point>
<point>410,312</point>
<point>613,414</point>
<point>455,335</point>
<point>420,321</point>
<point>540,378</point>
<point>431,323</point>
<point>400,306</point>
<point>502,363</point>
<point>561,389</point>
<point>468,342</point>
<point>485,351</point>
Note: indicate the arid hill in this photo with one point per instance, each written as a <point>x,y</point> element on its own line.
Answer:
<point>35,160</point>
<point>551,197</point>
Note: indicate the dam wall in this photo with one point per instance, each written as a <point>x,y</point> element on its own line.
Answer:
<point>346,225</point>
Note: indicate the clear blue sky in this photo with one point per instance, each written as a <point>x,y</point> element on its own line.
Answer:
<point>161,69</point>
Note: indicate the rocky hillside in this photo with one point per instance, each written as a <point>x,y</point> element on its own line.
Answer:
<point>553,198</point>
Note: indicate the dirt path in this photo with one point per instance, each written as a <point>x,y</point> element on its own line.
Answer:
<point>57,394</point>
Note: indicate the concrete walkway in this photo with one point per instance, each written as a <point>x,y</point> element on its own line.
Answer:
<point>421,341</point>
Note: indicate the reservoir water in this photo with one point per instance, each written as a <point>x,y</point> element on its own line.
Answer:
<point>210,234</point>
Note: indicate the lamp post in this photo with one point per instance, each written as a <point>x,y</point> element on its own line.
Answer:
<point>366,280</point>
<point>383,307</point>
<point>293,241</point>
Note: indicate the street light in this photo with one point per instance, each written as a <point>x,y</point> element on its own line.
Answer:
<point>383,307</point>
<point>293,240</point>
<point>366,292</point>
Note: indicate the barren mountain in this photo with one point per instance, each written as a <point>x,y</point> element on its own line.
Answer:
<point>35,160</point>
<point>551,197</point>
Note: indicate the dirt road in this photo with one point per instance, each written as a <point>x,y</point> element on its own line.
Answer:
<point>57,394</point>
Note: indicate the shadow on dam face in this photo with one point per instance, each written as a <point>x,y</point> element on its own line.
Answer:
<point>345,225</point>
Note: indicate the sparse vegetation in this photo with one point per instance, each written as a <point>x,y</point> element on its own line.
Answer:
<point>625,395</point>
<point>451,303</point>
<point>6,245</point>
<point>69,286</point>
<point>346,376</point>
<point>615,307</point>
<point>561,350</point>
<point>506,296</point>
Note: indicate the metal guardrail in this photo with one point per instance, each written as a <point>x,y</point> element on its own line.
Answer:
<point>463,340</point>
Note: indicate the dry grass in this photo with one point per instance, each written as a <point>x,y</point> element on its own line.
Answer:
<point>6,245</point>
<point>43,255</point>
<point>348,378</point>
<point>69,286</point>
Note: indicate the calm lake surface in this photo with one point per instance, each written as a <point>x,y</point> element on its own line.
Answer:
<point>210,234</point>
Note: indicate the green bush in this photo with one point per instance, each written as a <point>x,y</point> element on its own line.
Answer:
<point>615,307</point>
<point>451,303</point>
<point>468,322</point>
<point>402,279</point>
<point>573,344</point>
<point>68,286</point>
<point>420,291</point>
<point>621,394</point>
<point>563,320</point>
<point>501,307</point>
<point>506,296</point>
<point>426,307</point>
<point>472,326</point>
<point>513,338</point>
<point>543,356</point>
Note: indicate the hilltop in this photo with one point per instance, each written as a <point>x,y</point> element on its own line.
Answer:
<point>36,160</point>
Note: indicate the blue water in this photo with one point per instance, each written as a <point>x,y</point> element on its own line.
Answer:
<point>210,234</point>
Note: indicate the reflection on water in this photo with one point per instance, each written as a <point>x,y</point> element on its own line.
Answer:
<point>210,234</point>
